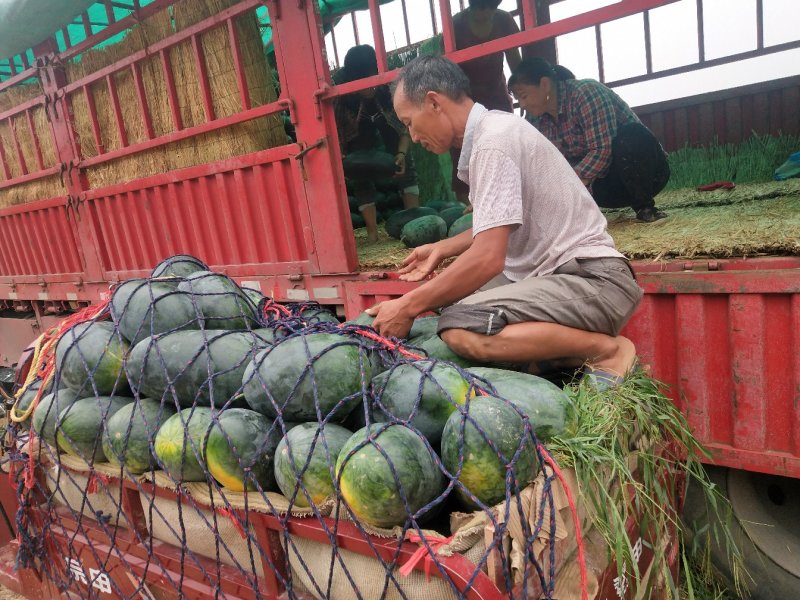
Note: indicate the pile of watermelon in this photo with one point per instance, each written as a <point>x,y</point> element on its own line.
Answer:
<point>428,224</point>
<point>192,375</point>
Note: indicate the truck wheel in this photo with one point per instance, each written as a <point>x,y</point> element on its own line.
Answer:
<point>765,525</point>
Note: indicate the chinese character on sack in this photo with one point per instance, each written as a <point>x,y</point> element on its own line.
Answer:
<point>637,550</point>
<point>100,580</point>
<point>75,569</point>
<point>621,585</point>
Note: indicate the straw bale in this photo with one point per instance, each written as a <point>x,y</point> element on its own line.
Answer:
<point>240,139</point>
<point>36,190</point>
<point>41,189</point>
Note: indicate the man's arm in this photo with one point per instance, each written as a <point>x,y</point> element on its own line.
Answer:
<point>480,262</point>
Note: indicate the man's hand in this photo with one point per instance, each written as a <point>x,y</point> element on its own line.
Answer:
<point>392,318</point>
<point>421,263</point>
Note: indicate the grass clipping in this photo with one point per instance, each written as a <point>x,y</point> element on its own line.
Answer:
<point>614,441</point>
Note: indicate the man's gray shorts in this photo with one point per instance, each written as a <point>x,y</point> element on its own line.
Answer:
<point>592,294</point>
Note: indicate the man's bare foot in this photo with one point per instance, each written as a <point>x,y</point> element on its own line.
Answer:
<point>620,362</point>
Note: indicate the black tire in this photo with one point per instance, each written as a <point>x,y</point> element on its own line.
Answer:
<point>765,526</point>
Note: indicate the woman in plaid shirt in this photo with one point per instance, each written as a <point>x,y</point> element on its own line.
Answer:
<point>616,157</point>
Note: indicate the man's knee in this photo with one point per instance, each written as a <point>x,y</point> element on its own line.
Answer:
<point>473,346</point>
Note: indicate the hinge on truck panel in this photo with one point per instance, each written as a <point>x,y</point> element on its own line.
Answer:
<point>318,96</point>
<point>288,104</point>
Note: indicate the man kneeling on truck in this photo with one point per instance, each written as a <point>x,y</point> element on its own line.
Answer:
<point>537,279</point>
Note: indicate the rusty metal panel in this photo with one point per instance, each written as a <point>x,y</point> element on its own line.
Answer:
<point>38,240</point>
<point>726,344</point>
<point>246,211</point>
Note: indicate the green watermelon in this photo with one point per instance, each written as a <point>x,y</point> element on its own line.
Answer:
<point>89,359</point>
<point>459,225</point>
<point>369,486</point>
<point>46,414</point>
<point>293,453</point>
<point>437,205</point>
<point>242,440</point>
<point>284,371</point>
<point>142,308</point>
<point>368,165</point>
<point>435,347</point>
<point>313,314</point>
<point>423,327</point>
<point>254,295</point>
<point>23,403</point>
<point>395,223</point>
<point>484,472</point>
<point>362,319</point>
<point>425,230</point>
<point>130,431</point>
<point>452,214</point>
<point>543,402</point>
<point>398,390</point>
<point>179,265</point>
<point>80,426</point>
<point>179,444</point>
<point>357,220</point>
<point>221,303</point>
<point>202,367</point>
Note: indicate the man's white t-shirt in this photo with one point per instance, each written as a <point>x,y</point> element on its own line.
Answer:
<point>517,177</point>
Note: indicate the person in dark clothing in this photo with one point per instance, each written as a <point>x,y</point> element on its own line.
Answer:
<point>479,23</point>
<point>366,122</point>
<point>617,158</point>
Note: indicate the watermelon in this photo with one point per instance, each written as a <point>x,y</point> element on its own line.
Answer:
<point>80,426</point>
<point>202,367</point>
<point>437,205</point>
<point>130,432</point>
<point>435,347</point>
<point>23,403</point>
<point>460,225</point>
<point>221,303</point>
<point>423,328</point>
<point>484,472</point>
<point>313,313</point>
<point>357,221</point>
<point>452,214</point>
<point>362,319</point>
<point>395,223</point>
<point>425,230</point>
<point>299,467</point>
<point>46,414</point>
<point>179,265</point>
<point>142,308</point>
<point>89,359</point>
<point>371,485</point>
<point>255,296</point>
<point>398,390</point>
<point>296,389</point>
<point>368,165</point>
<point>179,444</point>
<point>240,441</point>
<point>542,401</point>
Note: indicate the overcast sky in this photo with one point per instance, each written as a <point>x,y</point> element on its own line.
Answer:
<point>729,26</point>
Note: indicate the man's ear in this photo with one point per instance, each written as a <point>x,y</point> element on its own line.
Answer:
<point>435,100</point>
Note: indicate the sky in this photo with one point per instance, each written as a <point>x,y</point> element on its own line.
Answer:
<point>729,27</point>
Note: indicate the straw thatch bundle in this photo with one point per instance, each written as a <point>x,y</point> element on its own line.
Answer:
<point>36,190</point>
<point>232,141</point>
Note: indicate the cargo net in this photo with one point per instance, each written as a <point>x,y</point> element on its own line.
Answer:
<point>191,438</point>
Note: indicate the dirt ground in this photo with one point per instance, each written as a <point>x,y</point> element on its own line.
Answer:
<point>6,594</point>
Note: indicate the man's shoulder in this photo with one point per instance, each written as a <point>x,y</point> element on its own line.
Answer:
<point>496,126</point>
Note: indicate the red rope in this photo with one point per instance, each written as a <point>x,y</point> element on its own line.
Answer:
<point>387,343</point>
<point>226,512</point>
<point>421,552</point>
<point>578,536</point>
